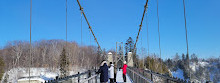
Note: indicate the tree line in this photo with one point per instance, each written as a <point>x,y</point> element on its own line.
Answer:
<point>151,62</point>
<point>47,54</point>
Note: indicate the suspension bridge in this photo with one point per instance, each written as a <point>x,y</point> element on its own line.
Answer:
<point>134,75</point>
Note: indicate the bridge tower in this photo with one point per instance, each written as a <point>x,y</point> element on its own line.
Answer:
<point>109,58</point>
<point>130,61</point>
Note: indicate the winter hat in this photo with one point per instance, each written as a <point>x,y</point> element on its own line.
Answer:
<point>125,62</point>
<point>103,62</point>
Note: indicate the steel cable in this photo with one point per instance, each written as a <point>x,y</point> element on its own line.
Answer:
<point>30,58</point>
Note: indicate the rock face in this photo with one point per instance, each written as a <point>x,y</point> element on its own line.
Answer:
<point>110,57</point>
<point>130,61</point>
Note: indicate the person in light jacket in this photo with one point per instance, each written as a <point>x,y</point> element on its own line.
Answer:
<point>111,72</point>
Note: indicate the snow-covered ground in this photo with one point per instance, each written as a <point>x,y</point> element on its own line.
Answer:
<point>119,77</point>
<point>195,66</point>
<point>41,74</point>
<point>211,68</point>
<point>178,73</point>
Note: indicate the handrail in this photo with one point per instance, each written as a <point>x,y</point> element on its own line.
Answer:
<point>92,77</point>
<point>71,76</point>
<point>168,78</point>
<point>136,75</point>
<point>163,76</point>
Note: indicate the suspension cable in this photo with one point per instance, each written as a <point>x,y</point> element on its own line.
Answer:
<point>140,26</point>
<point>159,33</point>
<point>89,25</point>
<point>30,58</point>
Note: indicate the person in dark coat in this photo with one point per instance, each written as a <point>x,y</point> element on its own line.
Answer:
<point>104,72</point>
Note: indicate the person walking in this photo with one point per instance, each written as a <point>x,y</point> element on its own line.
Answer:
<point>103,70</point>
<point>111,72</point>
<point>124,69</point>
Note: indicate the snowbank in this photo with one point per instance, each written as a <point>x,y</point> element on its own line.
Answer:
<point>32,79</point>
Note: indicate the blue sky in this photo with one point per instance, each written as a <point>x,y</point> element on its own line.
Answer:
<point>115,21</point>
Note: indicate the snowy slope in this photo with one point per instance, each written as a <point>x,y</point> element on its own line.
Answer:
<point>178,73</point>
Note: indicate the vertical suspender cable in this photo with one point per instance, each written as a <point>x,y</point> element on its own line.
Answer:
<point>142,49</point>
<point>66,23</point>
<point>147,37</point>
<point>66,39</point>
<point>185,26</point>
<point>90,38</point>
<point>30,42</point>
<point>159,34</point>
<point>186,34</point>
<point>81,28</point>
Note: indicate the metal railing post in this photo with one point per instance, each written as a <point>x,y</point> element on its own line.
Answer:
<point>78,77</point>
<point>89,75</point>
<point>151,75</point>
<point>133,77</point>
<point>96,78</point>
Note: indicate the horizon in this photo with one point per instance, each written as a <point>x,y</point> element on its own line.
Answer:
<point>115,22</point>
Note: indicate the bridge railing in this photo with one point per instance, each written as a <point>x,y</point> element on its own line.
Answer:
<point>89,76</point>
<point>136,77</point>
<point>157,77</point>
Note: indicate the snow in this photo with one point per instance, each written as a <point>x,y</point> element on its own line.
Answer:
<point>203,64</point>
<point>109,53</point>
<point>178,73</point>
<point>195,66</point>
<point>119,77</point>
<point>41,74</point>
<point>33,78</point>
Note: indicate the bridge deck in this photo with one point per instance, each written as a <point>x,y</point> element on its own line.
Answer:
<point>119,77</point>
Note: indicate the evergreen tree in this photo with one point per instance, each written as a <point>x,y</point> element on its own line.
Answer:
<point>194,58</point>
<point>129,47</point>
<point>63,63</point>
<point>183,58</point>
<point>120,50</point>
<point>187,60</point>
<point>176,57</point>
<point>148,62</point>
<point>186,68</point>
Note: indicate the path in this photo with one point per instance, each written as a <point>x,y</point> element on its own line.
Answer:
<point>119,77</point>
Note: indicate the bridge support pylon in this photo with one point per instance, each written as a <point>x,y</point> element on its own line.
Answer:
<point>110,58</point>
<point>130,61</point>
